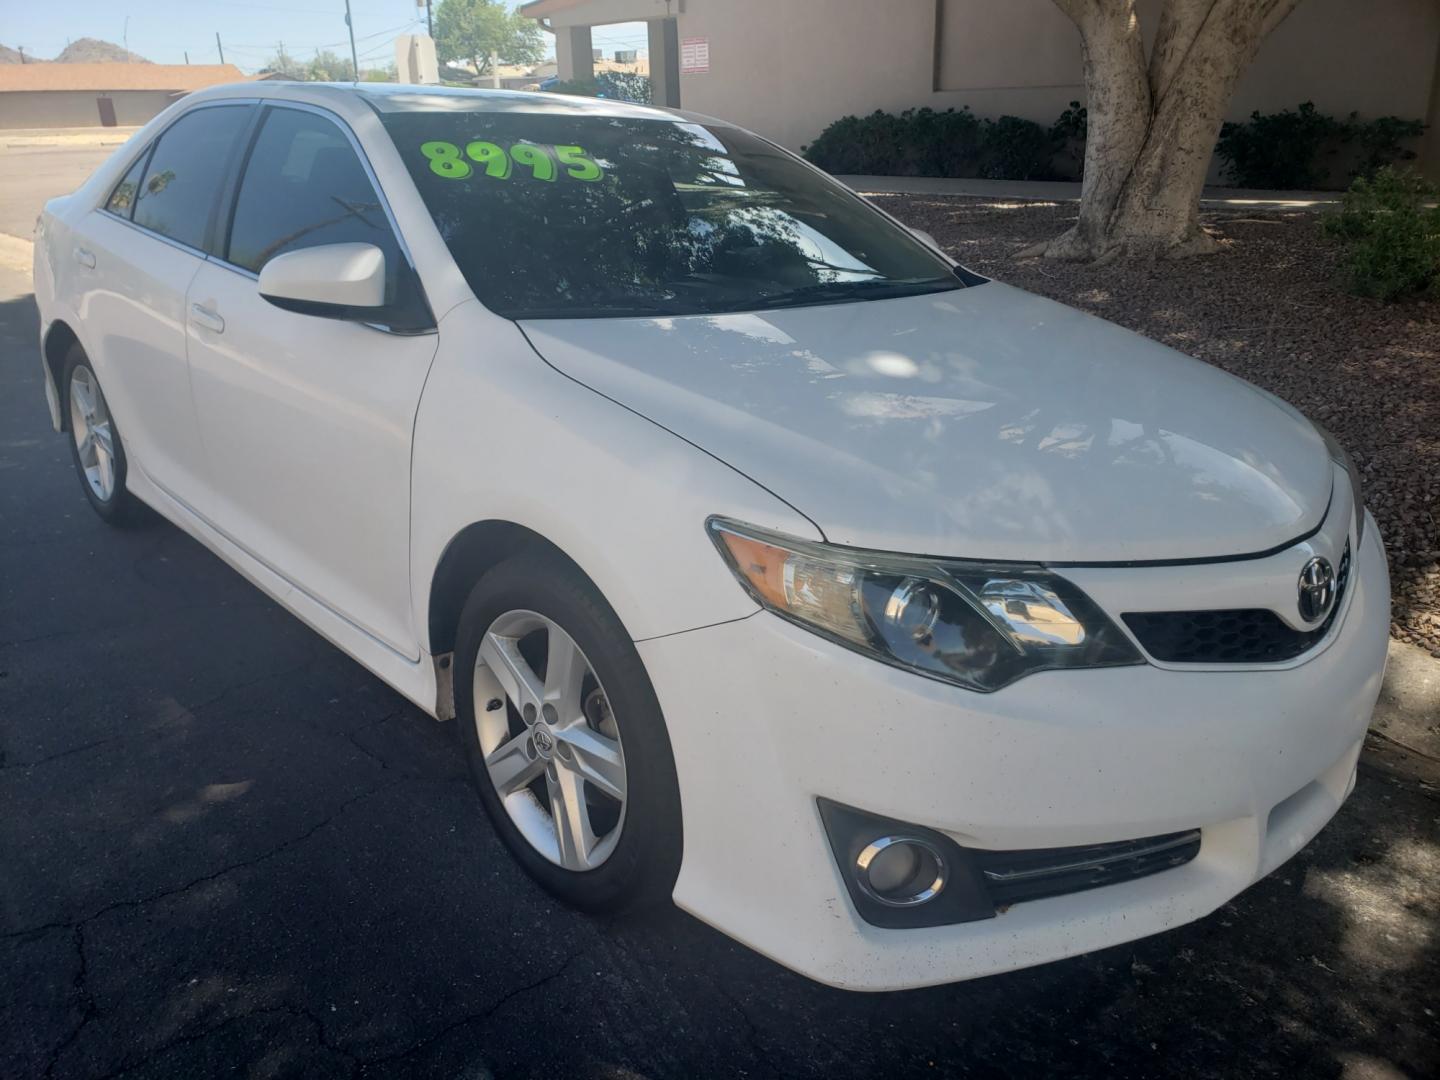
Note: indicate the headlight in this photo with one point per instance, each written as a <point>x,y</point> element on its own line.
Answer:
<point>980,625</point>
<point>1341,457</point>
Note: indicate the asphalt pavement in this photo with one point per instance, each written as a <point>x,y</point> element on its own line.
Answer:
<point>29,175</point>
<point>227,849</point>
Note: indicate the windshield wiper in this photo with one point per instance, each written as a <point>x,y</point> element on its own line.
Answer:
<point>837,292</point>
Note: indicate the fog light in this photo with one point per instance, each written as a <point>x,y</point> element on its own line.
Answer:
<point>900,871</point>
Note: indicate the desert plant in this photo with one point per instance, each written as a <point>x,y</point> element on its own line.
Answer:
<point>1390,230</point>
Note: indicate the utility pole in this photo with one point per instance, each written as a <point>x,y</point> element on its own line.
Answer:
<point>125,39</point>
<point>219,46</point>
<point>22,53</point>
<point>187,56</point>
<point>354,59</point>
<point>429,20</point>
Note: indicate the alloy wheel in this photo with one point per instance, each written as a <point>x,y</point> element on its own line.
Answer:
<point>94,436</point>
<point>550,743</point>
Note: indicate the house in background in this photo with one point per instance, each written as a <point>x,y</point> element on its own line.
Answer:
<point>788,69</point>
<point>55,95</point>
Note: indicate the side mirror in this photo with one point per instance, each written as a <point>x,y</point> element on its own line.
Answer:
<point>334,281</point>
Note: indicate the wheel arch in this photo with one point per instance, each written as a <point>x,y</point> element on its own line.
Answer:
<point>59,337</point>
<point>469,555</point>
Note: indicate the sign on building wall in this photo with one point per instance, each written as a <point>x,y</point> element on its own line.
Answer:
<point>694,55</point>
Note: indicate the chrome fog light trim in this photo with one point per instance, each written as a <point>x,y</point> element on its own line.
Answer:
<point>901,871</point>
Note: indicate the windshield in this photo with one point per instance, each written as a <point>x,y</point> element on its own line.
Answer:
<point>566,216</point>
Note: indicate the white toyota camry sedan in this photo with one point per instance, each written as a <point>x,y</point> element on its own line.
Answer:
<point>903,625</point>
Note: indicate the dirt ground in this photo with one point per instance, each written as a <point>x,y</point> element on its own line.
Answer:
<point>1272,308</point>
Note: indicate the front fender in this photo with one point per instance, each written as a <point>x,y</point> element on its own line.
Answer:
<point>501,435</point>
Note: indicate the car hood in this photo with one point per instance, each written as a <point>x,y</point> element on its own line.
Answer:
<point>980,423</point>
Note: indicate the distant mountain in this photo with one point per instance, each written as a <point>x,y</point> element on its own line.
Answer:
<point>8,55</point>
<point>92,50</point>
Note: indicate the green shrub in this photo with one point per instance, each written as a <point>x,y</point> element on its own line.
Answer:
<point>1016,149</point>
<point>1280,150</point>
<point>1380,141</point>
<point>1391,234</point>
<point>927,142</point>
<point>1291,149</point>
<point>1069,133</point>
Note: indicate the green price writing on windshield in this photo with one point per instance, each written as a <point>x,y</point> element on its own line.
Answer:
<point>447,160</point>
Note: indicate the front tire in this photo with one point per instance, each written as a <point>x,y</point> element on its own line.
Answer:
<point>95,444</point>
<point>564,735</point>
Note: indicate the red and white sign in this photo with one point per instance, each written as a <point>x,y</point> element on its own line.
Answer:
<point>694,55</point>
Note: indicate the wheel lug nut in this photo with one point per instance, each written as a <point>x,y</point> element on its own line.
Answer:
<point>549,713</point>
<point>529,713</point>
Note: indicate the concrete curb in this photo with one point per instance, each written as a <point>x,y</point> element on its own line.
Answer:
<point>1408,712</point>
<point>16,254</point>
<point>1061,191</point>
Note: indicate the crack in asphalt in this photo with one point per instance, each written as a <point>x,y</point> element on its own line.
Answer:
<point>163,894</point>
<point>756,1036</point>
<point>283,1009</point>
<point>81,987</point>
<point>359,1066</point>
<point>477,1017</point>
<point>193,712</point>
<point>350,737</point>
<point>6,764</point>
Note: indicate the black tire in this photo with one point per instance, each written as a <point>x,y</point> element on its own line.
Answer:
<point>641,869</point>
<point>121,508</point>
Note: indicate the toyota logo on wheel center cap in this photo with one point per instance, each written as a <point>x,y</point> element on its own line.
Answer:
<point>544,742</point>
<point>1317,588</point>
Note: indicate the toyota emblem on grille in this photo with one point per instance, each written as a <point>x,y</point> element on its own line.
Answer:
<point>1317,588</point>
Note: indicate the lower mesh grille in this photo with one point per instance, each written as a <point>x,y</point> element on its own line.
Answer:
<point>1013,876</point>
<point>1237,636</point>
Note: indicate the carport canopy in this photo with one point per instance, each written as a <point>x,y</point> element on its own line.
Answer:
<point>571,21</point>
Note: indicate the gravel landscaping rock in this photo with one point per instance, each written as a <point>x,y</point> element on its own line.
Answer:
<point>1271,308</point>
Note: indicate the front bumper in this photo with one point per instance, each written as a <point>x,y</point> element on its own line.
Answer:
<point>765,717</point>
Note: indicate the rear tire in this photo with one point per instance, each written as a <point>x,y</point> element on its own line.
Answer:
<point>95,444</point>
<point>526,734</point>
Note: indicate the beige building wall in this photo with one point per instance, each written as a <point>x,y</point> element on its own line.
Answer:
<point>787,68</point>
<point>77,108</point>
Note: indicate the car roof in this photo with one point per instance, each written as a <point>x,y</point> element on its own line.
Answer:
<point>400,97</point>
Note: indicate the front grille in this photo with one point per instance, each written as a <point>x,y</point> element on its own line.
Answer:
<point>1013,876</point>
<point>1238,636</point>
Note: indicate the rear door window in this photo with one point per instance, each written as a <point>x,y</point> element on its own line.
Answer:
<point>186,172</point>
<point>304,186</point>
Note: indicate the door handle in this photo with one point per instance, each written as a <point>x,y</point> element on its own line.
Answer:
<point>85,258</point>
<point>203,316</point>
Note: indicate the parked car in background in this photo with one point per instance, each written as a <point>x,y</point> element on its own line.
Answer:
<point>902,625</point>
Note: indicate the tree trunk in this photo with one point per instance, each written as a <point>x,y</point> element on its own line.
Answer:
<point>1152,128</point>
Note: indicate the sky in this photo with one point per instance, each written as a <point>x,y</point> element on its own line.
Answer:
<point>250,31</point>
